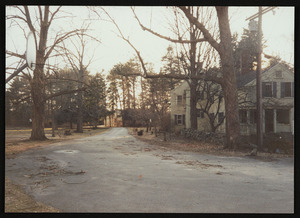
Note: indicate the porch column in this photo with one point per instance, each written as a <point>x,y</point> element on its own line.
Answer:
<point>248,123</point>
<point>188,110</point>
<point>275,120</point>
<point>292,120</point>
<point>263,120</point>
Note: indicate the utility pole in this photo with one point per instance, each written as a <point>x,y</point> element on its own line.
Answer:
<point>259,123</point>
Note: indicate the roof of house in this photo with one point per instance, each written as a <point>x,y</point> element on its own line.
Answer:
<point>242,80</point>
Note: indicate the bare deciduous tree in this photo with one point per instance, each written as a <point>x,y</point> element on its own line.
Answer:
<point>38,19</point>
<point>221,43</point>
<point>228,83</point>
<point>79,63</point>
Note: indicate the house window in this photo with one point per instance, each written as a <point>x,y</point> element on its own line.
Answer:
<point>253,116</point>
<point>243,116</point>
<point>179,99</point>
<point>283,116</point>
<point>287,89</point>
<point>269,89</point>
<point>220,117</point>
<point>200,113</point>
<point>180,119</point>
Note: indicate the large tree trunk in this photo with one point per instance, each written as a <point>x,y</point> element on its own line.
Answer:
<point>37,94</point>
<point>123,92</point>
<point>128,92</point>
<point>231,111</point>
<point>229,79</point>
<point>37,86</point>
<point>193,82</point>
<point>193,104</point>
<point>80,112</point>
<point>133,92</point>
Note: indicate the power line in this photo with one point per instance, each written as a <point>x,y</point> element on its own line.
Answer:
<point>265,10</point>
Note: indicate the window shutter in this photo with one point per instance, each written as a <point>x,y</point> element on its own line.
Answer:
<point>275,89</point>
<point>282,89</point>
<point>175,119</point>
<point>183,119</point>
<point>292,89</point>
<point>263,88</point>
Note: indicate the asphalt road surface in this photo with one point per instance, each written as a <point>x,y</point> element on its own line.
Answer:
<point>114,172</point>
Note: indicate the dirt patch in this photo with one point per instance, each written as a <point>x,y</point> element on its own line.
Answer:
<point>16,141</point>
<point>167,157</point>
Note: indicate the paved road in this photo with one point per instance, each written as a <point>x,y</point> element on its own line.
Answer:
<point>114,172</point>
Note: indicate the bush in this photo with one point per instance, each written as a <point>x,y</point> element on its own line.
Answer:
<point>279,142</point>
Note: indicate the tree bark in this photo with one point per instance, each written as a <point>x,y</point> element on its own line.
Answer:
<point>193,104</point>
<point>80,112</point>
<point>37,93</point>
<point>37,86</point>
<point>229,79</point>
<point>193,82</point>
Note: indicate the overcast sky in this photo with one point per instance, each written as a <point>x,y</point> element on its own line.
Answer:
<point>278,30</point>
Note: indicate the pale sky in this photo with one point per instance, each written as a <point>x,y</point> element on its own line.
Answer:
<point>278,30</point>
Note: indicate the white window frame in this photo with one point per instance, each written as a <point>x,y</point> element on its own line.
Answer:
<point>179,102</point>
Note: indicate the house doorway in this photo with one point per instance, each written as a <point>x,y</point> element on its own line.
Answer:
<point>269,120</point>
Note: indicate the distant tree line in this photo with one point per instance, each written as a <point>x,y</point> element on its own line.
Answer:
<point>62,108</point>
<point>151,107</point>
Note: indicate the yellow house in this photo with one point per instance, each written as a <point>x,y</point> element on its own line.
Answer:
<point>180,111</point>
<point>277,99</point>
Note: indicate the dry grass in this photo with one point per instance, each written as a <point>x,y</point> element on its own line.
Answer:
<point>183,144</point>
<point>17,201</point>
<point>16,141</point>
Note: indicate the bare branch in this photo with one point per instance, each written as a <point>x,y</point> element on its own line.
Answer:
<point>64,93</point>
<point>28,20</point>
<point>122,36</point>
<point>68,79</point>
<point>199,25</point>
<point>180,40</point>
<point>60,39</point>
<point>16,73</point>
<point>16,17</point>
<point>15,54</point>
<point>53,14</point>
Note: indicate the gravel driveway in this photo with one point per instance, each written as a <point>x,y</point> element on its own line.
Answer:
<point>114,172</point>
